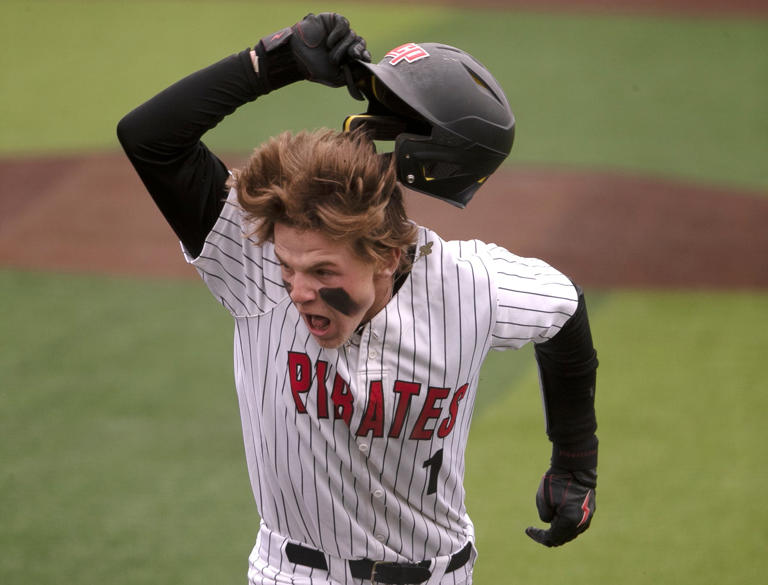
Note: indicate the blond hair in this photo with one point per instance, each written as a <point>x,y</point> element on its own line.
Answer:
<point>328,181</point>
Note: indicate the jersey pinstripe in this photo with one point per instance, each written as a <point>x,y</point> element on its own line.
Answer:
<point>359,451</point>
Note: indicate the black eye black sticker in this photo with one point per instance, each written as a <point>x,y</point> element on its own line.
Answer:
<point>339,299</point>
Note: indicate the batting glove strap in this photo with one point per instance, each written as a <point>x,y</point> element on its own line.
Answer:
<point>575,456</point>
<point>317,48</point>
<point>277,65</point>
<point>566,500</point>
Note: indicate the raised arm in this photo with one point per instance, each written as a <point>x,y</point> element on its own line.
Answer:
<point>162,137</point>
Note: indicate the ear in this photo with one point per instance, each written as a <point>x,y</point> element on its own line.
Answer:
<point>388,266</point>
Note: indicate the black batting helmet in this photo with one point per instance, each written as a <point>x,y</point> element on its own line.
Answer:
<point>449,118</point>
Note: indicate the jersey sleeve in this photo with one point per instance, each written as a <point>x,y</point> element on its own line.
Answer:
<point>534,300</point>
<point>243,276</point>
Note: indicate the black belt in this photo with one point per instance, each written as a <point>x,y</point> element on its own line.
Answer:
<point>377,571</point>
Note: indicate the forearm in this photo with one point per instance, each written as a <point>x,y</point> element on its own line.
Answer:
<point>162,139</point>
<point>567,371</point>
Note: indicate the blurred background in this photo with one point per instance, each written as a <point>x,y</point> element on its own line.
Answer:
<point>121,454</point>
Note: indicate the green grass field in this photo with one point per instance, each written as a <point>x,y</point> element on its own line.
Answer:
<point>679,97</point>
<point>120,445</point>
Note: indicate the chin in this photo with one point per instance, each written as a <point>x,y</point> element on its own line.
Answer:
<point>335,340</point>
<point>334,343</point>
<point>331,341</point>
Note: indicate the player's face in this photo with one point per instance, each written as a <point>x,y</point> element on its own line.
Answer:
<point>333,288</point>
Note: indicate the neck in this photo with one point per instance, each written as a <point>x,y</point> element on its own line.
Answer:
<point>384,293</point>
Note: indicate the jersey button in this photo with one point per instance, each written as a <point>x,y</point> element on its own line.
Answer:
<point>380,537</point>
<point>363,447</point>
<point>372,354</point>
<point>378,494</point>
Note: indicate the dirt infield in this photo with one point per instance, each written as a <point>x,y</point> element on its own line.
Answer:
<point>92,214</point>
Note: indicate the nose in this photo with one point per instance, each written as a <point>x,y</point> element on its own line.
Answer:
<point>302,289</point>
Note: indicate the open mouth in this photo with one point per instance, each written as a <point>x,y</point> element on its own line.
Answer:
<point>317,324</point>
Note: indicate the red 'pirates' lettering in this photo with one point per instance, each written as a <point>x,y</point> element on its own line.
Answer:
<point>299,367</point>
<point>420,431</point>
<point>405,392</point>
<point>343,401</point>
<point>373,418</point>
<point>447,425</point>
<point>322,392</point>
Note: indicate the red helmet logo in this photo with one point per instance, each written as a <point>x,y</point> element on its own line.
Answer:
<point>410,52</point>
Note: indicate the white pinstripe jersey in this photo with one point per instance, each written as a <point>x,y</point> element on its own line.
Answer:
<point>359,451</point>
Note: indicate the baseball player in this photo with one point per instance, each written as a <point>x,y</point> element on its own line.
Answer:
<point>359,335</point>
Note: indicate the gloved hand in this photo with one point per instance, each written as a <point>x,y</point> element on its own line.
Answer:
<point>319,48</point>
<point>566,499</point>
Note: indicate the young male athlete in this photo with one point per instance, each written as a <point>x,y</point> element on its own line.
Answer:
<point>359,336</point>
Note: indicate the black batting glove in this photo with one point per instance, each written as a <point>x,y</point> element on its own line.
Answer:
<point>565,499</point>
<point>319,48</point>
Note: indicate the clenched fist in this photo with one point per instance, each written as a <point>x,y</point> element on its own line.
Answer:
<point>565,499</point>
<point>317,48</point>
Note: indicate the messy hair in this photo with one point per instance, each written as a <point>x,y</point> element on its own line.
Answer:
<point>331,182</point>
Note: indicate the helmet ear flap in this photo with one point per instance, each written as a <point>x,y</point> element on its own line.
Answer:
<point>451,173</point>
